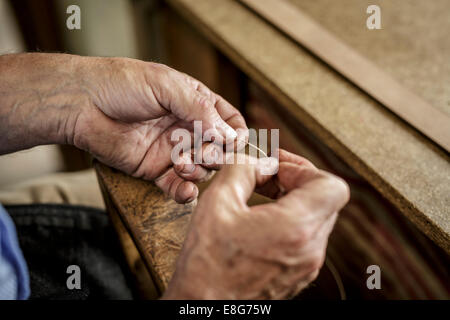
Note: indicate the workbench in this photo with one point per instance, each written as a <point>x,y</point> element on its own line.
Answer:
<point>405,167</point>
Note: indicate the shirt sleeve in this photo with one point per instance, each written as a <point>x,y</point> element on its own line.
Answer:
<point>14,279</point>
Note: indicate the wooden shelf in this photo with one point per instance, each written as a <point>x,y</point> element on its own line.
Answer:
<point>399,162</point>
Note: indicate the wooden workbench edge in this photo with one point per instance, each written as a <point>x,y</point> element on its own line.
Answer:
<point>427,226</point>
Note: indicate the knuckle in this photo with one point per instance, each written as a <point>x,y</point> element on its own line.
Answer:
<point>159,67</point>
<point>117,63</point>
<point>299,241</point>
<point>202,101</point>
<point>193,83</point>
<point>300,236</point>
<point>159,73</point>
<point>121,68</point>
<point>160,78</point>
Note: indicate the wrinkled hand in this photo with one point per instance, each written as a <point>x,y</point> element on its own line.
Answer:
<point>273,250</point>
<point>135,106</point>
<point>121,110</point>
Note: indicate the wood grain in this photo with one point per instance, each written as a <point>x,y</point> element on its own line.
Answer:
<point>157,224</point>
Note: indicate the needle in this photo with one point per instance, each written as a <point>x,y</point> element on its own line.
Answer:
<point>277,182</point>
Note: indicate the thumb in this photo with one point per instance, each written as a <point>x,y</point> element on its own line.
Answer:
<point>235,183</point>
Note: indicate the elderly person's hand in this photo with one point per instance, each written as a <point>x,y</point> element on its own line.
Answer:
<point>274,250</point>
<point>123,111</point>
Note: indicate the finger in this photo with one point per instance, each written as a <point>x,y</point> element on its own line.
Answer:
<point>286,156</point>
<point>164,146</point>
<point>235,183</point>
<point>234,118</point>
<point>188,99</point>
<point>226,111</point>
<point>293,172</point>
<point>213,156</point>
<point>193,172</point>
<point>180,190</point>
<point>320,195</point>
<point>291,176</point>
<point>209,156</point>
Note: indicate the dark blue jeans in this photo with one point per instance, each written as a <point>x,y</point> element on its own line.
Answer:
<point>53,237</point>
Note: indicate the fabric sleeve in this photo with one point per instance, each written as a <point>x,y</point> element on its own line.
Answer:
<point>14,279</point>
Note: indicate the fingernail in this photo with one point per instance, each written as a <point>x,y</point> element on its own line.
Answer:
<point>190,199</point>
<point>188,168</point>
<point>268,166</point>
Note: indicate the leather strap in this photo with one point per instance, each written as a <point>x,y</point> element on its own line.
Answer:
<point>432,122</point>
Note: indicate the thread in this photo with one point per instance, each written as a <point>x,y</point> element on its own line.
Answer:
<point>260,150</point>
